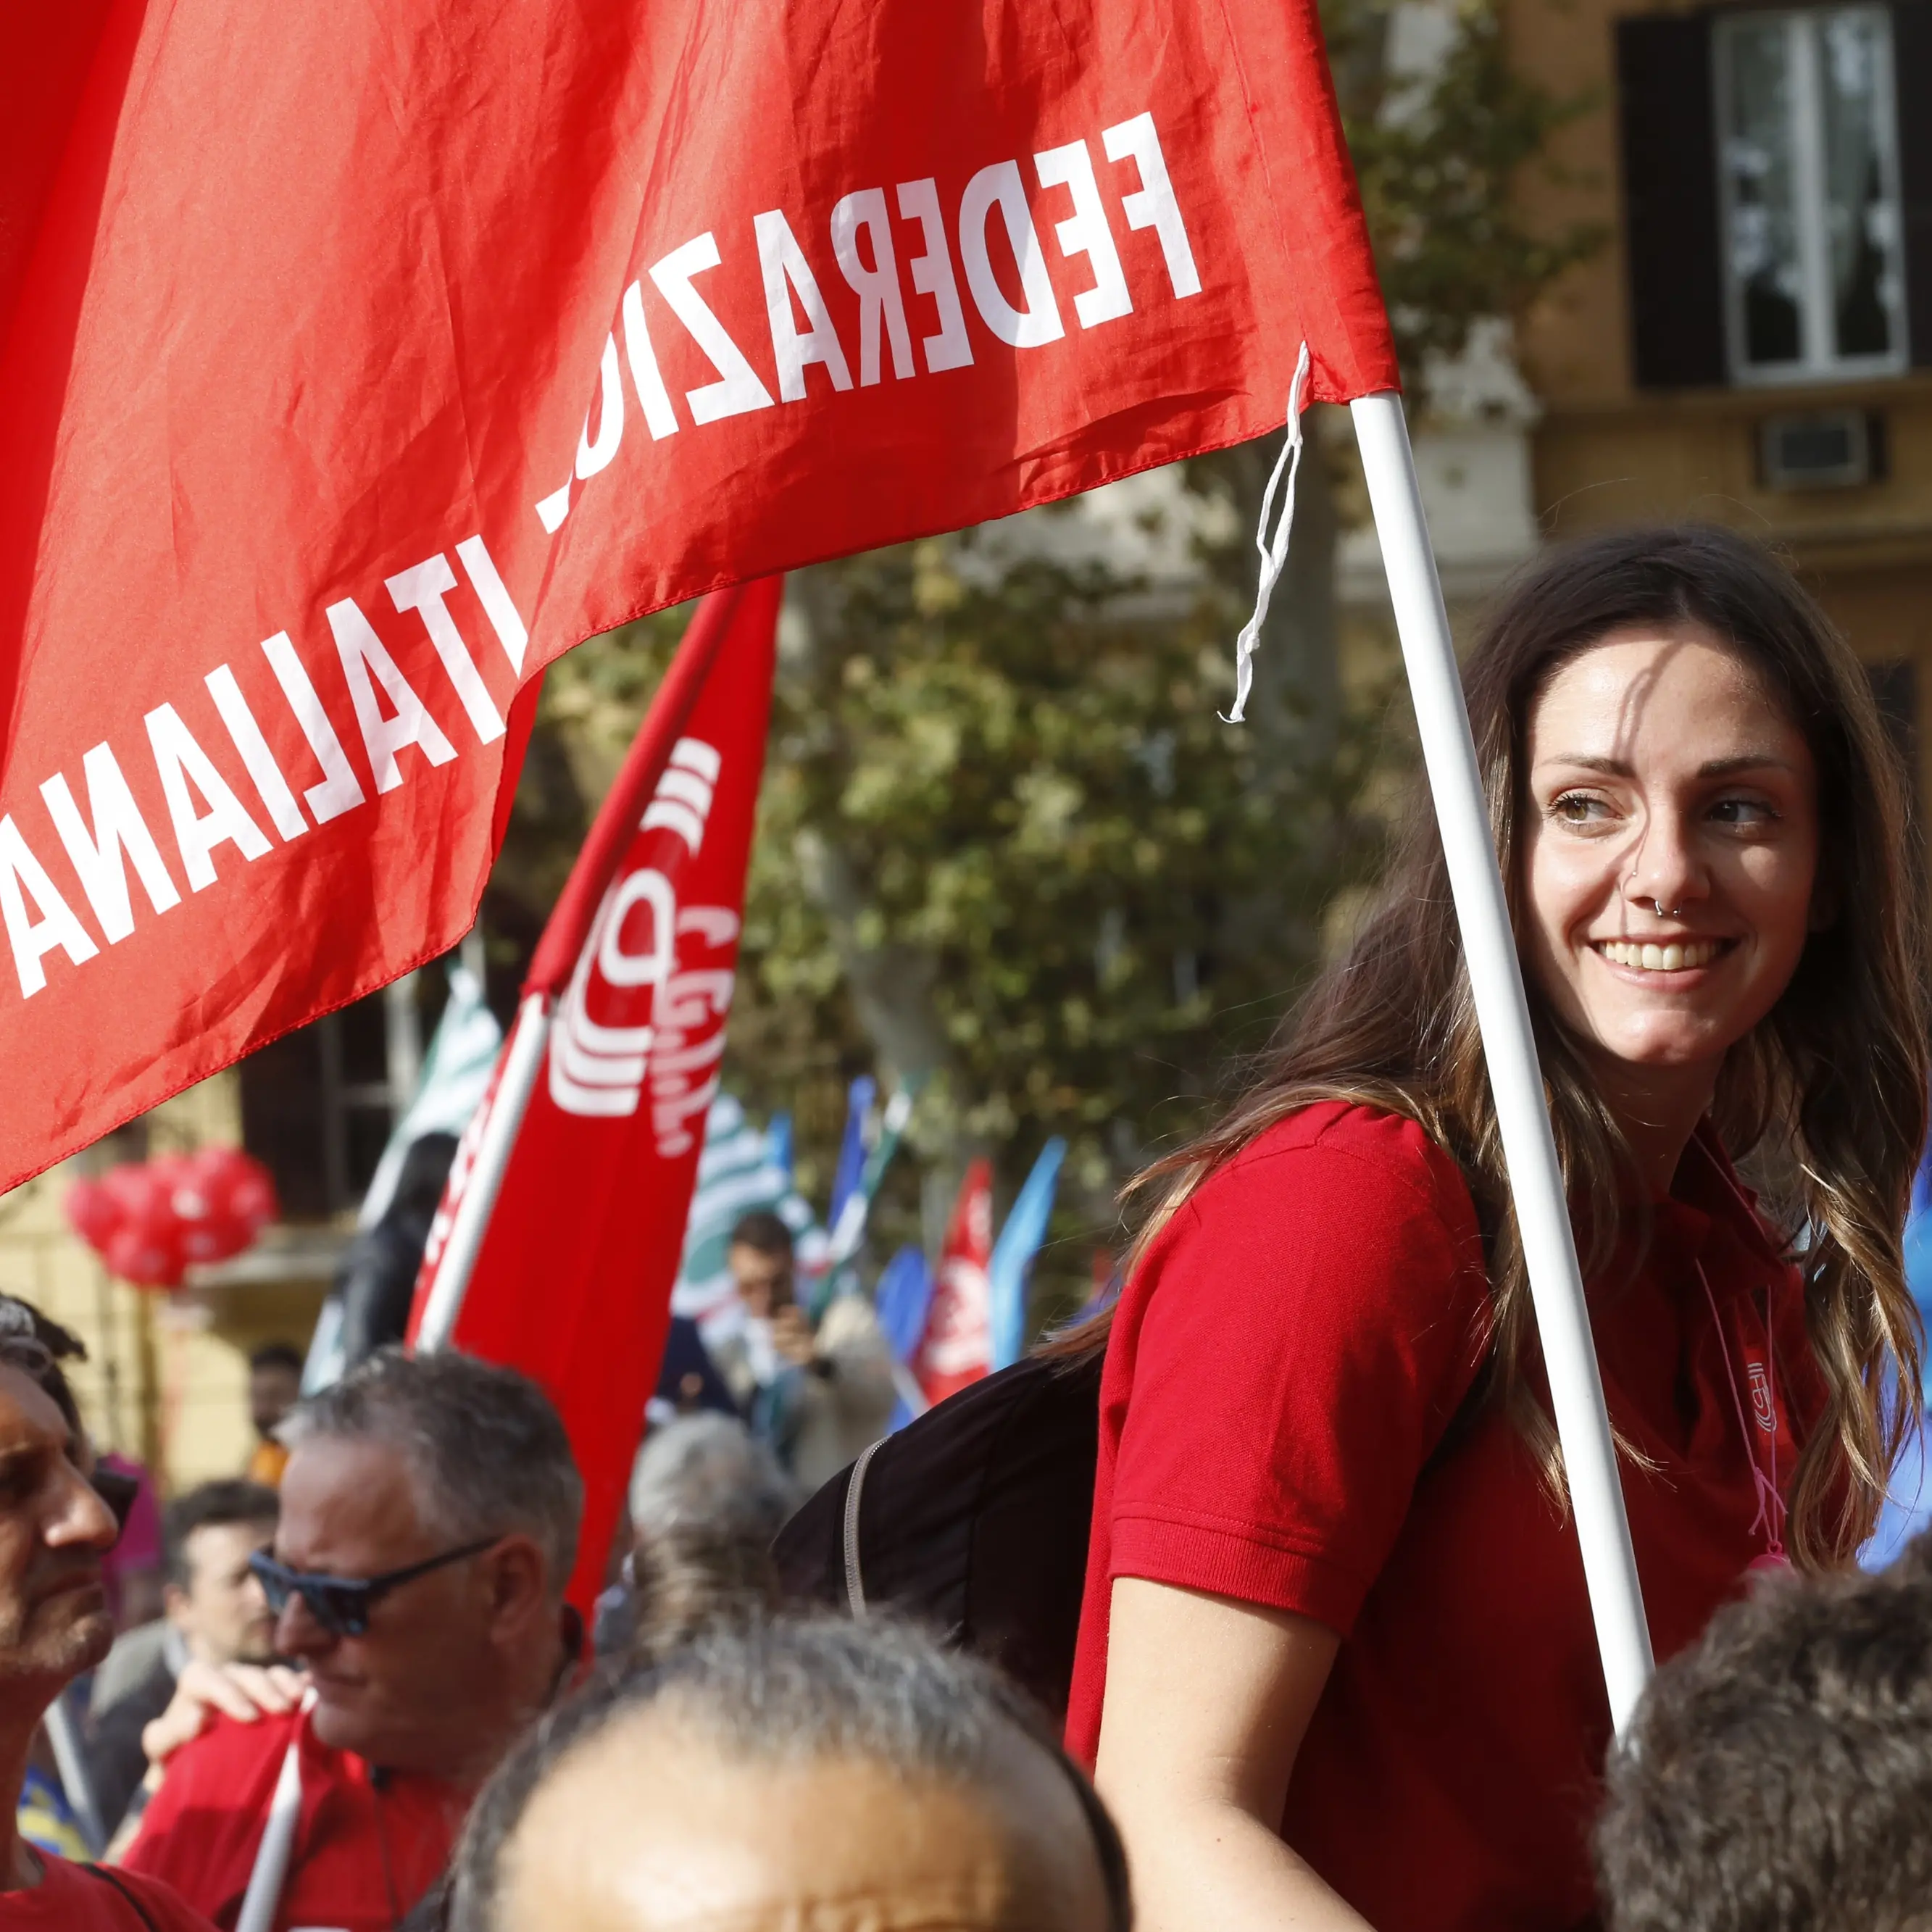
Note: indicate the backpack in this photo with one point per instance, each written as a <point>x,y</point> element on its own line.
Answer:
<point>974,1519</point>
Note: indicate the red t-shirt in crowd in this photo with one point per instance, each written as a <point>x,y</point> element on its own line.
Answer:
<point>1281,1369</point>
<point>366,1850</point>
<point>71,1898</point>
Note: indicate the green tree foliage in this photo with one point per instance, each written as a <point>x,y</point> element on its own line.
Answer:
<point>1441,159</point>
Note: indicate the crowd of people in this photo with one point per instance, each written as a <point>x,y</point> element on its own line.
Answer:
<point>1334,1667</point>
<point>730,1762</point>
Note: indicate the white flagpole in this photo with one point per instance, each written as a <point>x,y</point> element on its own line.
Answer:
<point>1556,1285</point>
<point>269,1874</point>
<point>522,1056</point>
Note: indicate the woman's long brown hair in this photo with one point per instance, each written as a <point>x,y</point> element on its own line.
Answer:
<point>1831,1086</point>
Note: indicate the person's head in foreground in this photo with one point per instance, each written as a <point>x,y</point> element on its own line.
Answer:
<point>55,1528</point>
<point>1778,1776</point>
<point>213,1597</point>
<point>707,1498</point>
<point>760,1256</point>
<point>844,1776</point>
<point>429,1521</point>
<point>275,1385</point>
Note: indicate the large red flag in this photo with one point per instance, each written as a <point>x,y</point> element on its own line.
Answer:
<point>957,1347</point>
<point>354,362</point>
<point>572,1283</point>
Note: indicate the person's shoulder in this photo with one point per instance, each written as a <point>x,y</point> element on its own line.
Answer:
<point>76,1896</point>
<point>232,1758</point>
<point>1346,1156</point>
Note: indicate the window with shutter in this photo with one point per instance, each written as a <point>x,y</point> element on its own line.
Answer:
<point>1808,182</point>
<point>1912,72</point>
<point>1670,201</point>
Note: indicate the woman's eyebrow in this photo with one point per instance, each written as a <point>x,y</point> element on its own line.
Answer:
<point>1615,768</point>
<point>1711,768</point>
<point>1745,761</point>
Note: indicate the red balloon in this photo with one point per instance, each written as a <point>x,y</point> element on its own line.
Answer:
<point>92,1213</point>
<point>189,1194</point>
<point>153,1220</point>
<point>139,1193</point>
<point>146,1257</point>
<point>242,1186</point>
<point>214,1238</point>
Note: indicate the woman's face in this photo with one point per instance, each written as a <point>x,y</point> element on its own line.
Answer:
<point>1672,848</point>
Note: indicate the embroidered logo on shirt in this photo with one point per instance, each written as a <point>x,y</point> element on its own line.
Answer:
<point>1760,1393</point>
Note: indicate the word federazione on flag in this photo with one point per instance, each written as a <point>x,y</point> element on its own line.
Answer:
<point>995,238</point>
<point>994,257</point>
<point>349,377</point>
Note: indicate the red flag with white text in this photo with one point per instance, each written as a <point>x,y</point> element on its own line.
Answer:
<point>356,362</point>
<point>957,1347</point>
<point>572,1282</point>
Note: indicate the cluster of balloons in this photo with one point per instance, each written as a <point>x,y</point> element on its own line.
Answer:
<point>148,1220</point>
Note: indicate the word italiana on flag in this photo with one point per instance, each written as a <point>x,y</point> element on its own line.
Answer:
<point>957,1345</point>
<point>355,364</point>
<point>560,1232</point>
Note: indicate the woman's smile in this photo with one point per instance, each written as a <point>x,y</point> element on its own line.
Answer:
<point>1670,962</point>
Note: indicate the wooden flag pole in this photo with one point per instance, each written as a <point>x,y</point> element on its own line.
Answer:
<point>1495,976</point>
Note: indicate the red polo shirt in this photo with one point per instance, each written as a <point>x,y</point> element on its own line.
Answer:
<point>365,1850</point>
<point>1282,1368</point>
<point>72,1898</point>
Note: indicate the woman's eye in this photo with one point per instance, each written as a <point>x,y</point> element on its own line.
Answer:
<point>1743,811</point>
<point>1579,808</point>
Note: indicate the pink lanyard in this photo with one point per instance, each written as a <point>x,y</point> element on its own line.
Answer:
<point>1769,1521</point>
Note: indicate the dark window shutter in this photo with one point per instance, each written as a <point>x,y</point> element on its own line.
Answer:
<point>1670,199</point>
<point>1911,65</point>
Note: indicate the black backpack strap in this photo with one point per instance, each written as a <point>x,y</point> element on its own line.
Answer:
<point>134,1905</point>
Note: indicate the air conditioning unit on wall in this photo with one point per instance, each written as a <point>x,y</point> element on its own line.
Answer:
<point>1823,449</point>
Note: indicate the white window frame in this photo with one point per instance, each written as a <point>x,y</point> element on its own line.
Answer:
<point>1819,362</point>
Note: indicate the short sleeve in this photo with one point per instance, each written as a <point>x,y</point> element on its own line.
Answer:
<point>1306,1327</point>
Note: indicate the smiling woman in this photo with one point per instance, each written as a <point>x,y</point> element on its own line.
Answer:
<point>1336,1664</point>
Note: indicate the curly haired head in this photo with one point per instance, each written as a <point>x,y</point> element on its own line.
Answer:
<point>1778,1775</point>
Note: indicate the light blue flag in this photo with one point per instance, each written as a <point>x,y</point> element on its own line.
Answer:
<point>901,1300</point>
<point>1013,1253</point>
<point>778,1144</point>
<point>1908,1505</point>
<point>903,1295</point>
<point>852,1150</point>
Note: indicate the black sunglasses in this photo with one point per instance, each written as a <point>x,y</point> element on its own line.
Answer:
<point>341,1604</point>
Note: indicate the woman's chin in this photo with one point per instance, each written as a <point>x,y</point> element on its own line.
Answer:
<point>1665,1052</point>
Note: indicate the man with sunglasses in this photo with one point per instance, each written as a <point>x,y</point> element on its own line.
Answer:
<point>54,1527</point>
<point>429,1523</point>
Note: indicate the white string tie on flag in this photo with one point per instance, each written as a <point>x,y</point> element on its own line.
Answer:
<point>1273,550</point>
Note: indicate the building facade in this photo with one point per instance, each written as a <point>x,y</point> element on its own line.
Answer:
<point>1752,343</point>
